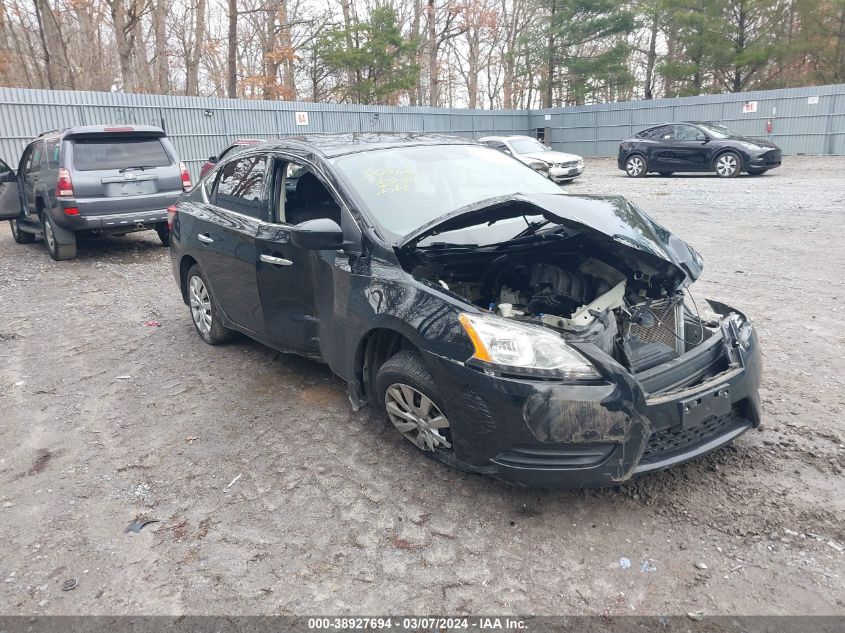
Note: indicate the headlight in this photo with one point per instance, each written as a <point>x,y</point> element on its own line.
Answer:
<point>513,347</point>
<point>752,147</point>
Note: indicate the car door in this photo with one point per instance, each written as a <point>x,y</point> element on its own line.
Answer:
<point>287,274</point>
<point>225,234</point>
<point>688,149</point>
<point>29,174</point>
<point>10,197</point>
<point>658,149</point>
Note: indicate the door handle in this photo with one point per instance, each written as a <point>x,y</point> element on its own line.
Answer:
<point>276,261</point>
<point>204,239</point>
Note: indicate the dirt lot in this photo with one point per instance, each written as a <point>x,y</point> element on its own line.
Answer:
<point>103,418</point>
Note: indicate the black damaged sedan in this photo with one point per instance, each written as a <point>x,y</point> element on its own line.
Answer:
<point>504,326</point>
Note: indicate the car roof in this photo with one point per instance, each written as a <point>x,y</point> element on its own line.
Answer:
<point>331,145</point>
<point>80,130</point>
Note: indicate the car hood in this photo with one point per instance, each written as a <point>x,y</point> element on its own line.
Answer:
<point>551,157</point>
<point>756,141</point>
<point>634,234</point>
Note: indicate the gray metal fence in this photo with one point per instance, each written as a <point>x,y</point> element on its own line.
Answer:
<point>804,120</point>
<point>202,126</point>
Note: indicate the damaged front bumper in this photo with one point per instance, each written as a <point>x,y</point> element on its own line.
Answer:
<point>552,434</point>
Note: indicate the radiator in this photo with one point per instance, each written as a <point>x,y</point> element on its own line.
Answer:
<point>668,326</point>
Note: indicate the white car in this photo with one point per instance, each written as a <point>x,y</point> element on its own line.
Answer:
<point>562,167</point>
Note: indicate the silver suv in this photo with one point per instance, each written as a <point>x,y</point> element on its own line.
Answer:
<point>98,179</point>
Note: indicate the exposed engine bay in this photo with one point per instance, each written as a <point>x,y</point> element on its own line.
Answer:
<point>592,292</point>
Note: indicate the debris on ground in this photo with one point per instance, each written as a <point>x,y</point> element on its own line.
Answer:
<point>231,483</point>
<point>139,524</point>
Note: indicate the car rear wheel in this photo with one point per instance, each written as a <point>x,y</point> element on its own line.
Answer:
<point>728,165</point>
<point>163,235</point>
<point>57,250</point>
<point>21,237</point>
<point>204,311</point>
<point>407,392</point>
<point>636,166</point>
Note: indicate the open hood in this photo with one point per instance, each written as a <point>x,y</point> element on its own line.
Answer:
<point>606,217</point>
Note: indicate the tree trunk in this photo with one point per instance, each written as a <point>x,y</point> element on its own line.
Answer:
<point>551,61</point>
<point>651,58</point>
<point>414,93</point>
<point>232,53</point>
<point>59,71</point>
<point>288,91</point>
<point>120,20</point>
<point>159,18</point>
<point>433,81</point>
<point>839,69</point>
<point>192,65</point>
<point>347,24</point>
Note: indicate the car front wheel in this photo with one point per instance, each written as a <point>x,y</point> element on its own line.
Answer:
<point>636,166</point>
<point>407,392</point>
<point>728,165</point>
<point>21,237</point>
<point>204,311</point>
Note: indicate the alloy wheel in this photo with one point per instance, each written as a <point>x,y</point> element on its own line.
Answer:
<point>416,417</point>
<point>726,165</point>
<point>200,305</point>
<point>634,166</point>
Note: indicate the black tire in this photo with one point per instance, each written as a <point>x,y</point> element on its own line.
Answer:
<point>757,172</point>
<point>214,333</point>
<point>724,161</point>
<point>636,166</point>
<point>666,173</point>
<point>59,252</point>
<point>21,237</point>
<point>407,369</point>
<point>163,234</point>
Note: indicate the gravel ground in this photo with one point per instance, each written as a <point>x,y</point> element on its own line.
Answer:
<point>275,498</point>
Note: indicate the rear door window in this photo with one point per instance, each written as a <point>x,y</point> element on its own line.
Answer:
<point>51,154</point>
<point>91,154</point>
<point>240,187</point>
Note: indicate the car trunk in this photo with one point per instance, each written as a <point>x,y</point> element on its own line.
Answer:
<point>123,173</point>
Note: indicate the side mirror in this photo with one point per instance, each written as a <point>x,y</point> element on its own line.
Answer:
<point>704,139</point>
<point>213,159</point>
<point>321,234</point>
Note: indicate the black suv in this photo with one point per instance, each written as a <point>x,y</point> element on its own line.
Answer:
<point>99,179</point>
<point>504,326</point>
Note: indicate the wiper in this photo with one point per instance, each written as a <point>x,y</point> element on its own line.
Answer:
<point>141,167</point>
<point>444,246</point>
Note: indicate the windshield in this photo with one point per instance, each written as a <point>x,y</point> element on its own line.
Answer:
<point>406,187</point>
<point>715,130</point>
<point>528,146</point>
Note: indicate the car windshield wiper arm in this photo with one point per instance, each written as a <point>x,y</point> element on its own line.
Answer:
<point>141,167</point>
